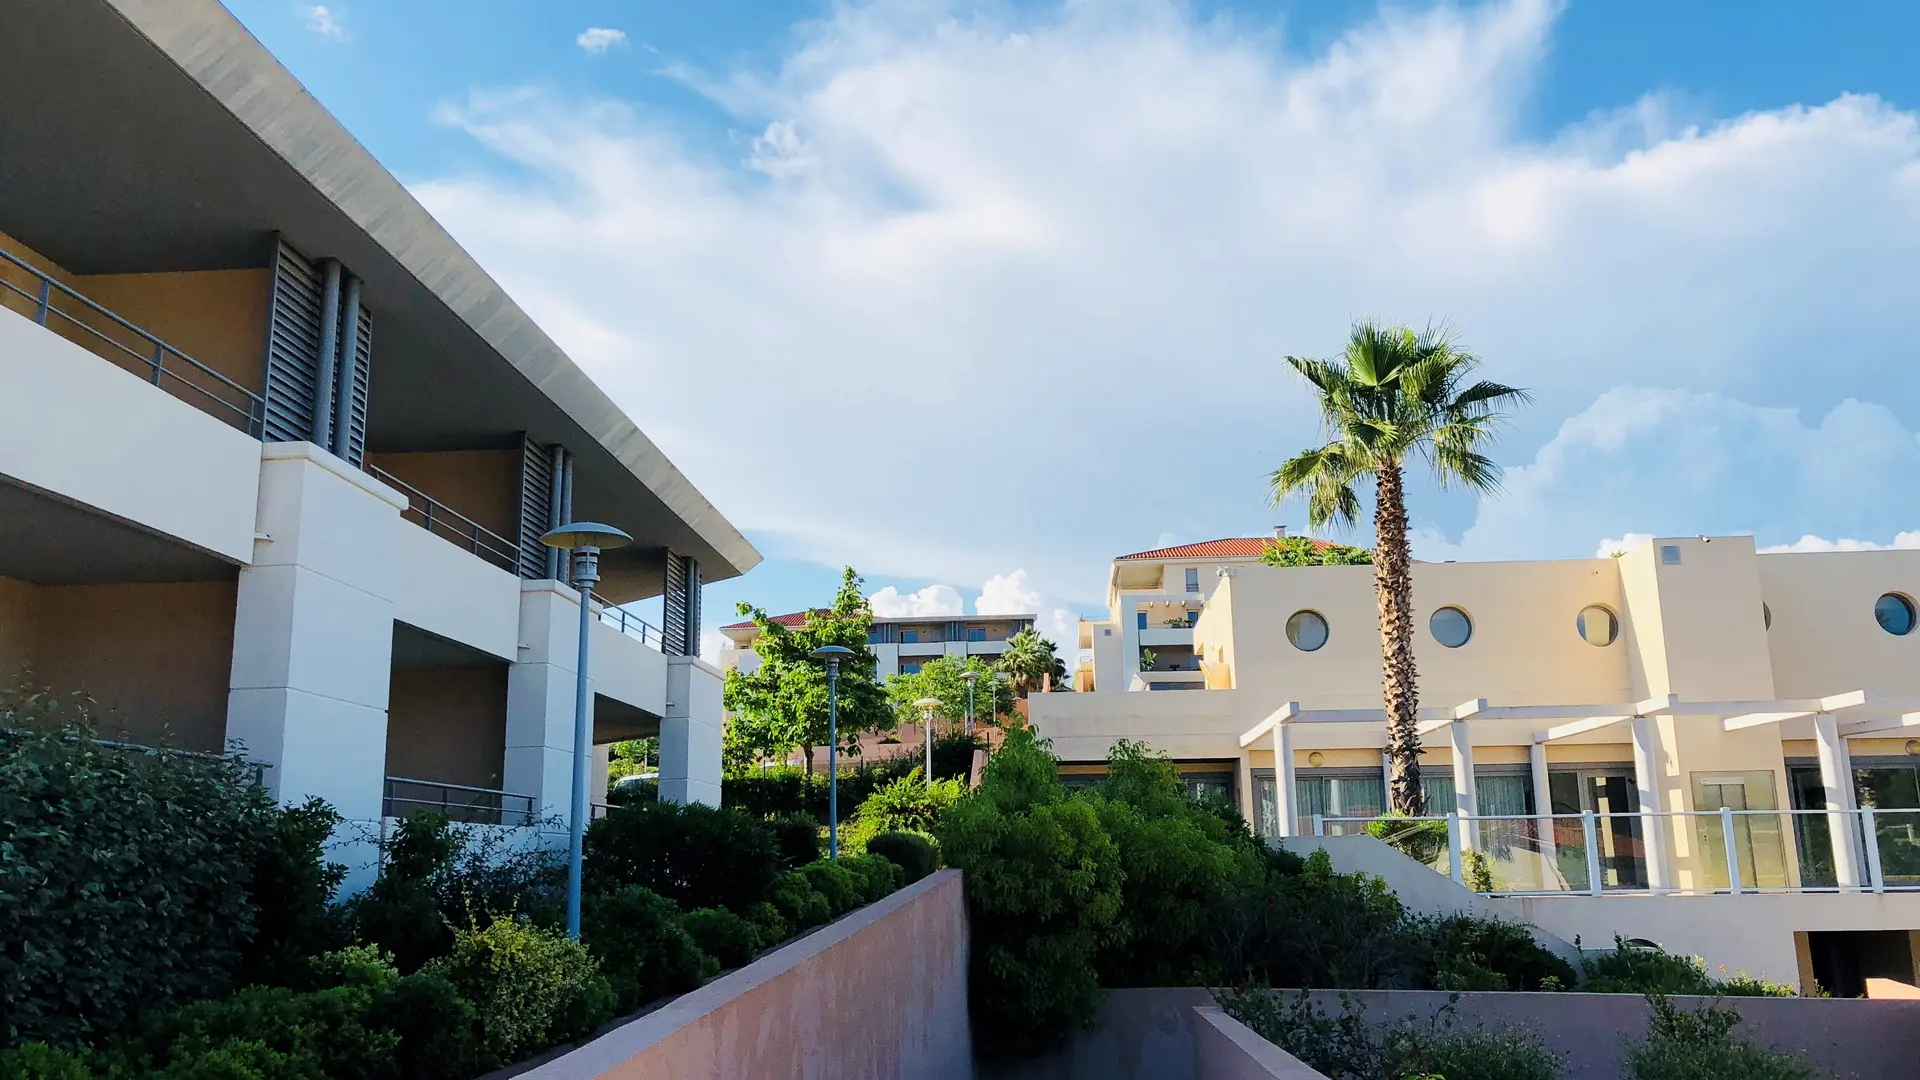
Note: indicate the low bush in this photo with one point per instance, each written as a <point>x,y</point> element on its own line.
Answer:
<point>877,877</point>
<point>694,855</point>
<point>400,912</point>
<point>1701,1046</point>
<point>799,904</point>
<point>531,988</point>
<point>843,890</point>
<point>904,805</point>
<point>643,950</point>
<point>1641,969</point>
<point>769,923</point>
<point>127,874</point>
<point>797,837</point>
<point>1461,952</point>
<point>293,886</point>
<point>439,1030</point>
<point>1346,1046</point>
<point>913,853</point>
<point>721,934</point>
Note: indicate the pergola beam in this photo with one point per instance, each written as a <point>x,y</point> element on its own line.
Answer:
<point>1282,715</point>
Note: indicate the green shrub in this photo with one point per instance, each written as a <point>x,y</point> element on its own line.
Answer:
<point>797,837</point>
<point>838,884</point>
<point>1701,1046</point>
<point>721,934</point>
<point>1347,1046</point>
<point>126,874</point>
<point>798,902</point>
<point>439,1030</point>
<point>531,988</point>
<point>905,804</point>
<point>769,924</point>
<point>1643,969</point>
<point>913,853</point>
<point>38,1061</point>
<point>1461,952</point>
<point>400,912</point>
<point>693,854</point>
<point>293,887</point>
<point>320,1033</point>
<point>643,950</point>
<point>1314,927</point>
<point>1043,889</point>
<point>878,877</point>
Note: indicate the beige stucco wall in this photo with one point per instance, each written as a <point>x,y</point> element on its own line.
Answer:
<point>448,724</point>
<point>482,484</point>
<point>155,658</point>
<point>217,317</point>
<point>1824,638</point>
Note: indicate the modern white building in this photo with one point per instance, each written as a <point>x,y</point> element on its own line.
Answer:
<point>900,644</point>
<point>275,453</point>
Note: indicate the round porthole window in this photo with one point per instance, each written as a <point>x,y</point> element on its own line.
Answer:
<point>1895,614</point>
<point>1597,625</point>
<point>1307,630</point>
<point>1451,627</point>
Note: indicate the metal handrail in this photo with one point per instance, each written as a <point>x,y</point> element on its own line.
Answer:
<point>450,524</point>
<point>629,624</point>
<point>490,802</point>
<point>249,415</point>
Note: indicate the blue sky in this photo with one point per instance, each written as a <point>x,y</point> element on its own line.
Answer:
<point>1027,268</point>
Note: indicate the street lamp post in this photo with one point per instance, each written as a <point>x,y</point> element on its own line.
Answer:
<point>927,705</point>
<point>970,676</point>
<point>586,540</point>
<point>833,654</point>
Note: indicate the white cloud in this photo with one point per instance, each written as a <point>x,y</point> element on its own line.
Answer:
<point>891,603</point>
<point>325,21</point>
<point>1033,273</point>
<point>712,644</point>
<point>598,39</point>
<point>1810,542</point>
<point>1610,547</point>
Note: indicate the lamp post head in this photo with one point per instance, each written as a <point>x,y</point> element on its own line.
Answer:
<point>586,534</point>
<point>928,704</point>
<point>832,654</point>
<point>969,676</point>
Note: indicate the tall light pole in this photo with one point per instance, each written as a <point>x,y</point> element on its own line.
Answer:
<point>927,705</point>
<point>833,654</point>
<point>586,540</point>
<point>970,676</point>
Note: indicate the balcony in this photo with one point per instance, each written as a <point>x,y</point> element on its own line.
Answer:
<point>469,805</point>
<point>630,624</point>
<point>450,524</point>
<point>49,302</point>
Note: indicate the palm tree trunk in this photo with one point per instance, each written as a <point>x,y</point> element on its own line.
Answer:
<point>1393,589</point>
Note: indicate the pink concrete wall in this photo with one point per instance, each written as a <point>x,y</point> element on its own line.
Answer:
<point>880,994</point>
<point>1226,1049</point>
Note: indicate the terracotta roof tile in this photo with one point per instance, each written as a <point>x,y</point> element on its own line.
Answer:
<point>1232,547</point>
<point>794,618</point>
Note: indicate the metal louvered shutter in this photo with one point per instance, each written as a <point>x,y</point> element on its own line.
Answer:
<point>353,412</point>
<point>693,607</point>
<point>293,346</point>
<point>536,507</point>
<point>673,615</point>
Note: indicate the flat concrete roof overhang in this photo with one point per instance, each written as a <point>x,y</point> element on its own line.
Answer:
<point>158,135</point>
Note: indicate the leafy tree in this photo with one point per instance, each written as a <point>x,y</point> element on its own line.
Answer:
<point>1305,551</point>
<point>941,678</point>
<point>783,703</point>
<point>1029,659</point>
<point>633,757</point>
<point>1394,393</point>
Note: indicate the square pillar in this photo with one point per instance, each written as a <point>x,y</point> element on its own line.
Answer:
<point>541,690</point>
<point>1243,791</point>
<point>1464,795</point>
<point>1546,841</point>
<point>690,732</point>
<point>1285,803</point>
<point>1836,777</point>
<point>1646,781</point>
<point>313,631</point>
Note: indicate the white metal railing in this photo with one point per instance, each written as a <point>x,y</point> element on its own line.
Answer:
<point>630,624</point>
<point>1668,852</point>
<point>404,796</point>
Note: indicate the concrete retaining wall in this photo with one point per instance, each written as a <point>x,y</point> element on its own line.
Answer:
<point>1226,1049</point>
<point>881,994</point>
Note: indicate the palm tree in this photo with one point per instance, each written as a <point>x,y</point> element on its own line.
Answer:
<point>1395,393</point>
<point>1028,660</point>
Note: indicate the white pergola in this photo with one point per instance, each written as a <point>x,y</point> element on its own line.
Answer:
<point>1835,719</point>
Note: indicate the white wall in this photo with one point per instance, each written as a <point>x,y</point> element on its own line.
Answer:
<point>455,594</point>
<point>75,425</point>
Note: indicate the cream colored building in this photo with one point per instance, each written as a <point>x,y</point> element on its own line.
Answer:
<point>275,453</point>
<point>1606,730</point>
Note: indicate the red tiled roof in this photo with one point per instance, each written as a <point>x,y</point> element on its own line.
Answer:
<point>791,619</point>
<point>1232,547</point>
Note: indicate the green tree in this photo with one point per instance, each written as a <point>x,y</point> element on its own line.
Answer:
<point>941,678</point>
<point>1394,393</point>
<point>633,757</point>
<point>1304,551</point>
<point>783,703</point>
<point>1029,659</point>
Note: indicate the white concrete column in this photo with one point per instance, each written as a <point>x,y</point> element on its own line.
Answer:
<point>313,631</point>
<point>1129,618</point>
<point>1646,780</point>
<point>540,700</point>
<point>1285,802</point>
<point>1544,835</point>
<point>602,761</point>
<point>1243,785</point>
<point>1836,777</point>
<point>690,732</point>
<point>1465,797</point>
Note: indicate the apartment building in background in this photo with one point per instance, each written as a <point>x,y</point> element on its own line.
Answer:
<point>1694,743</point>
<point>275,453</point>
<point>900,644</point>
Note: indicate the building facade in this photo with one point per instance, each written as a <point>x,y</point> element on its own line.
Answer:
<point>276,454</point>
<point>900,644</point>
<point>1689,720</point>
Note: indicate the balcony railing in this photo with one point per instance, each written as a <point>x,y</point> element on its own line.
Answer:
<point>62,310</point>
<point>1594,854</point>
<point>472,805</point>
<point>630,624</point>
<point>450,524</point>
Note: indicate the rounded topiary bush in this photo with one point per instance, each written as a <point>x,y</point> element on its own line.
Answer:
<point>877,876</point>
<point>643,949</point>
<point>798,902</point>
<point>843,890</point>
<point>797,836</point>
<point>913,853</point>
<point>721,934</point>
<point>695,855</point>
